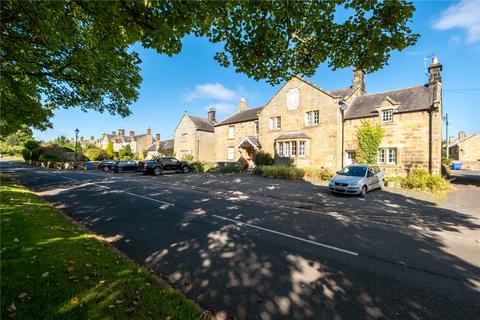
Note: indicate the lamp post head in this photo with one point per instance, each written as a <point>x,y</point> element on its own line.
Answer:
<point>77,131</point>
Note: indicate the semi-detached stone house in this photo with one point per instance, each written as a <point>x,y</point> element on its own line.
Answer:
<point>138,143</point>
<point>305,125</point>
<point>236,137</point>
<point>466,149</point>
<point>160,148</point>
<point>194,137</point>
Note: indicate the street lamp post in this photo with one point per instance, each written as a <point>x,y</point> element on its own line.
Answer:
<point>76,139</point>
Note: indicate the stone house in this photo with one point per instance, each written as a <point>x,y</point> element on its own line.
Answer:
<point>194,137</point>
<point>466,149</point>
<point>160,147</point>
<point>138,143</point>
<point>305,125</point>
<point>236,137</point>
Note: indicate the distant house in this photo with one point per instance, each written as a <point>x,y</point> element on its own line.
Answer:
<point>160,148</point>
<point>194,137</point>
<point>138,143</point>
<point>236,137</point>
<point>466,149</point>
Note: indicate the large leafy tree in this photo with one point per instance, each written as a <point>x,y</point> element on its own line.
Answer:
<point>61,54</point>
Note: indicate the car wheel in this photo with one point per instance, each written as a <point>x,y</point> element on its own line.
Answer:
<point>185,169</point>
<point>363,192</point>
<point>382,184</point>
<point>157,171</point>
<point>105,169</point>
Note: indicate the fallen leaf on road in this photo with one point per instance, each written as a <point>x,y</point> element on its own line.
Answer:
<point>45,274</point>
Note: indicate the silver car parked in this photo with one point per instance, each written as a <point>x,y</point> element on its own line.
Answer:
<point>357,179</point>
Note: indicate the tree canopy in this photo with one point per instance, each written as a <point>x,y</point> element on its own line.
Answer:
<point>62,54</point>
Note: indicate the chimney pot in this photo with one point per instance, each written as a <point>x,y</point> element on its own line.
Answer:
<point>242,105</point>
<point>131,133</point>
<point>157,136</point>
<point>435,71</point>
<point>211,115</point>
<point>461,135</point>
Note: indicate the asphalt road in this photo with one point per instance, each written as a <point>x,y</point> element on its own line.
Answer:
<point>257,261</point>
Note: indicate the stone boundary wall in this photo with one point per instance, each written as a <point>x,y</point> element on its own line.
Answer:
<point>62,165</point>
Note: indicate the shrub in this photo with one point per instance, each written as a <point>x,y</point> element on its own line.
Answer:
<point>37,153</point>
<point>446,163</point>
<point>187,158</point>
<point>94,154</point>
<point>420,179</point>
<point>294,173</point>
<point>263,158</point>
<point>201,167</point>
<point>109,150</point>
<point>227,168</point>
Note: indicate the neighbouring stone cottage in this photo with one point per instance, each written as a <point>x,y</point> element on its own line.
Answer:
<point>236,137</point>
<point>160,148</point>
<point>138,143</point>
<point>305,125</point>
<point>194,137</point>
<point>466,149</point>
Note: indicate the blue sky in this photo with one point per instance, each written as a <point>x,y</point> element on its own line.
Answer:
<point>193,81</point>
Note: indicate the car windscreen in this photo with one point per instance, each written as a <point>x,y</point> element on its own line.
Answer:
<point>353,171</point>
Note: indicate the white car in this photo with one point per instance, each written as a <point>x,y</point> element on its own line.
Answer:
<point>357,179</point>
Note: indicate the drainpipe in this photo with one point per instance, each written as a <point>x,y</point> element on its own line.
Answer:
<point>430,113</point>
<point>343,107</point>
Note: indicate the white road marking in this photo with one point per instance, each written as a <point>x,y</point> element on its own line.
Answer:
<point>148,198</point>
<point>69,178</point>
<point>289,236</point>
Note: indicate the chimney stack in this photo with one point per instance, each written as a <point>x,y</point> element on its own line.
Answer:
<point>461,135</point>
<point>149,131</point>
<point>435,71</point>
<point>242,105</point>
<point>114,133</point>
<point>131,133</point>
<point>92,138</point>
<point>358,80</point>
<point>157,137</point>
<point>211,115</point>
<point>121,132</point>
<point>81,138</point>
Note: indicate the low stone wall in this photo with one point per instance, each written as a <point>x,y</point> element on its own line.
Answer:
<point>63,165</point>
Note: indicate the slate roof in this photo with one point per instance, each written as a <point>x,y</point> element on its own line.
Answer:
<point>202,124</point>
<point>342,92</point>
<point>410,99</point>
<point>241,116</point>
<point>458,141</point>
<point>162,145</point>
<point>292,135</point>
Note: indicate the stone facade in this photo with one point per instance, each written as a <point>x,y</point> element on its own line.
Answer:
<point>194,137</point>
<point>466,149</point>
<point>138,143</point>
<point>319,140</point>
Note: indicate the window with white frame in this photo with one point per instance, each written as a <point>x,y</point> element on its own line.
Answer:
<point>231,132</point>
<point>294,149</point>
<point>387,155</point>
<point>301,149</point>
<point>231,153</point>
<point>286,149</point>
<point>275,123</point>
<point>183,137</point>
<point>280,149</point>
<point>387,115</point>
<point>392,156</point>
<point>351,156</point>
<point>293,98</point>
<point>312,118</point>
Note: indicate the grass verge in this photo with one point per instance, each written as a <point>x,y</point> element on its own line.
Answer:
<point>52,269</point>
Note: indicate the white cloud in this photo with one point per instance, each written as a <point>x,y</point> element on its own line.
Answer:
<point>465,15</point>
<point>215,91</point>
<point>222,108</point>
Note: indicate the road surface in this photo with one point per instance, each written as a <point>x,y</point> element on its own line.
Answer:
<point>254,260</point>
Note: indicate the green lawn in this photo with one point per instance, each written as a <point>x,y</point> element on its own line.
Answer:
<point>52,269</point>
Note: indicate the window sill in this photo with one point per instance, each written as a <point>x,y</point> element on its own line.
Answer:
<point>273,130</point>
<point>311,126</point>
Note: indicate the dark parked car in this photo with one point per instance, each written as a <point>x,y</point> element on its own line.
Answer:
<point>160,164</point>
<point>125,165</point>
<point>106,165</point>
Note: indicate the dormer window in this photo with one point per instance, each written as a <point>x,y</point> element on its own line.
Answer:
<point>387,116</point>
<point>293,98</point>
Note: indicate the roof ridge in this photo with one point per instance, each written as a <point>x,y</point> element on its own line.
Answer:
<point>401,89</point>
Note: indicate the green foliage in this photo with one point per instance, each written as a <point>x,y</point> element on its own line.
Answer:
<point>420,179</point>
<point>201,167</point>
<point>187,158</point>
<point>28,148</point>
<point>67,273</point>
<point>294,173</point>
<point>94,154</point>
<point>109,150</point>
<point>369,137</point>
<point>144,153</point>
<point>13,144</point>
<point>62,54</point>
<point>227,168</point>
<point>125,153</point>
<point>263,158</point>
